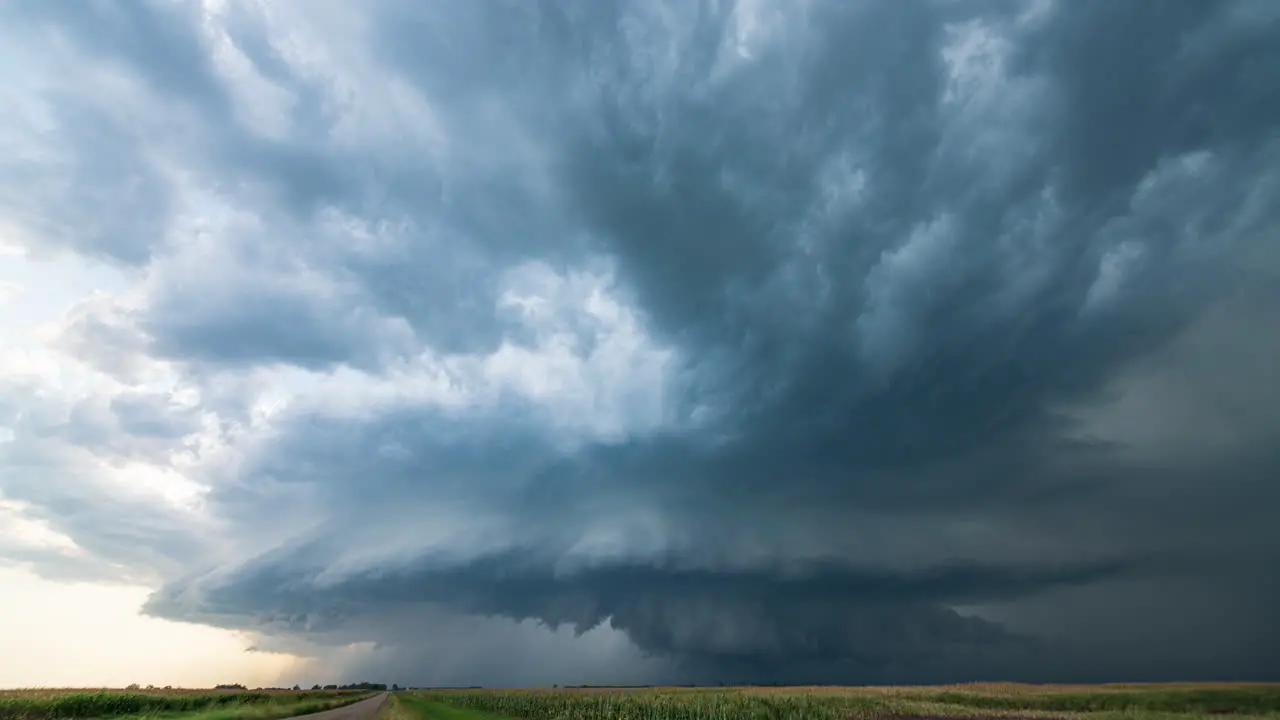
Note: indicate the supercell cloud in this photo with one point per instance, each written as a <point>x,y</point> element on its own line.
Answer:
<point>559,342</point>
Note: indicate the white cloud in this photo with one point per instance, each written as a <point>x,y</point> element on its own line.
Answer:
<point>1113,268</point>
<point>16,528</point>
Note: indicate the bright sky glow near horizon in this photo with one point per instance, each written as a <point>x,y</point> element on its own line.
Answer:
<point>639,341</point>
<point>93,635</point>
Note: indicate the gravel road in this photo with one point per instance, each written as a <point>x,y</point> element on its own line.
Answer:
<point>363,710</point>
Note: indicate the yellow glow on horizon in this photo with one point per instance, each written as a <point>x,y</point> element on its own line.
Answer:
<point>55,634</point>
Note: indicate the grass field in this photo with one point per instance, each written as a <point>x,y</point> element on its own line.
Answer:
<point>53,704</point>
<point>1095,702</point>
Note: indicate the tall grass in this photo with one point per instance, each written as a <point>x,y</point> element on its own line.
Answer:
<point>395,709</point>
<point>37,705</point>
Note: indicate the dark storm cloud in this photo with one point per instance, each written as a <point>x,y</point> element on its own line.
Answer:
<point>965,303</point>
<point>773,622</point>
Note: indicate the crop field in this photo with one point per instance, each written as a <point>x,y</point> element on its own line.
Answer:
<point>79,704</point>
<point>1092,702</point>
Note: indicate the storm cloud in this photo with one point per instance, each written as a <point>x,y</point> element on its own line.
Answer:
<point>677,342</point>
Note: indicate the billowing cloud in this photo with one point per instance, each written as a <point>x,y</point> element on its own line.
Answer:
<point>755,341</point>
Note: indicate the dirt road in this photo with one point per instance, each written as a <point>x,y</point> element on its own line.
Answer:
<point>363,710</point>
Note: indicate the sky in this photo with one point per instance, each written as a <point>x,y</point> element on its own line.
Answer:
<point>586,342</point>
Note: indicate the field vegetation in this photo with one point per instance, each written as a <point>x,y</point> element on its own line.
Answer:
<point>55,704</point>
<point>1092,702</point>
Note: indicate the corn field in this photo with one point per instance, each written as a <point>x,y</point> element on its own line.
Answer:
<point>1134,703</point>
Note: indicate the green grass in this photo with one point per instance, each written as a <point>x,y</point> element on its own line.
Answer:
<point>395,709</point>
<point>1128,702</point>
<point>71,705</point>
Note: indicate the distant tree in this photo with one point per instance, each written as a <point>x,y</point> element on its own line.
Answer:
<point>132,686</point>
<point>296,688</point>
<point>363,686</point>
<point>316,687</point>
